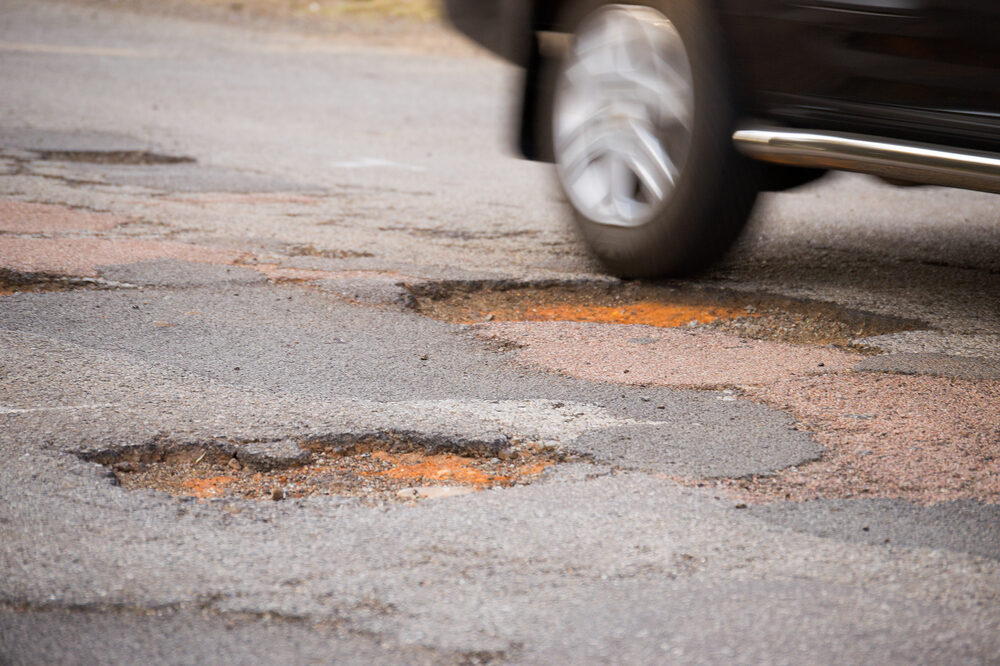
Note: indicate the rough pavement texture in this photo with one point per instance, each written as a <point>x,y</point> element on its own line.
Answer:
<point>23,217</point>
<point>929,439</point>
<point>350,368</point>
<point>82,256</point>
<point>961,525</point>
<point>938,365</point>
<point>325,172</point>
<point>644,355</point>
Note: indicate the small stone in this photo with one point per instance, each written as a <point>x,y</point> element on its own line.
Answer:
<point>235,464</point>
<point>423,357</point>
<point>494,461</point>
<point>741,505</point>
<point>507,453</point>
<point>277,494</point>
<point>489,317</point>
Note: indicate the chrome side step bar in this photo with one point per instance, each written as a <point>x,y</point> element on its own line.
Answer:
<point>901,160</point>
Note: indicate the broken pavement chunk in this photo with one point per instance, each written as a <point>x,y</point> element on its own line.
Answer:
<point>279,454</point>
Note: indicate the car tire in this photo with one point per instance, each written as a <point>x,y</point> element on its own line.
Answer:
<point>642,137</point>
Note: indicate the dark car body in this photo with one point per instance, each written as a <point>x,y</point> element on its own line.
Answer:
<point>908,90</point>
<point>919,70</point>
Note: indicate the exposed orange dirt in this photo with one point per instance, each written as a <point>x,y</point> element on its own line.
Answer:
<point>377,475</point>
<point>415,467</point>
<point>747,315</point>
<point>213,486</point>
<point>664,315</point>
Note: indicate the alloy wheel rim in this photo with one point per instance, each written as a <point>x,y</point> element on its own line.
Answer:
<point>622,115</point>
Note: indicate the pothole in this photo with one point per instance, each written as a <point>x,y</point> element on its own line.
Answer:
<point>307,250</point>
<point>384,467</point>
<point>12,282</point>
<point>748,315</point>
<point>121,157</point>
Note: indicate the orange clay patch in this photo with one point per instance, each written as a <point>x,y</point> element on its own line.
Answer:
<point>644,312</point>
<point>210,487</point>
<point>415,467</point>
<point>747,315</point>
<point>377,475</point>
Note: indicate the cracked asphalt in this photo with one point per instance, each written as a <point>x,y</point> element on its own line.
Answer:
<point>216,232</point>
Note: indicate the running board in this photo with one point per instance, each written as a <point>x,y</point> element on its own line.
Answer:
<point>901,160</point>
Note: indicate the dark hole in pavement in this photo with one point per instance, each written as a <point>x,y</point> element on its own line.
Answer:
<point>746,314</point>
<point>16,281</point>
<point>307,250</point>
<point>122,157</point>
<point>382,467</point>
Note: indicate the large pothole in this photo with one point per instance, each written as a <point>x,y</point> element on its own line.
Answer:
<point>748,315</point>
<point>378,467</point>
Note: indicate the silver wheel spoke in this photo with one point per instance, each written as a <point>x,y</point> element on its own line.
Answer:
<point>581,151</point>
<point>652,163</point>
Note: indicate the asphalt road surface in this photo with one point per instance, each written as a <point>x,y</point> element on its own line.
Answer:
<point>300,365</point>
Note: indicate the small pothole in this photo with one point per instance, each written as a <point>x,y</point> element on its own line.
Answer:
<point>749,315</point>
<point>121,157</point>
<point>15,281</point>
<point>308,250</point>
<point>384,467</point>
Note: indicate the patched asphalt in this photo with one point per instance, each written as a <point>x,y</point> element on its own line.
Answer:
<point>292,342</point>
